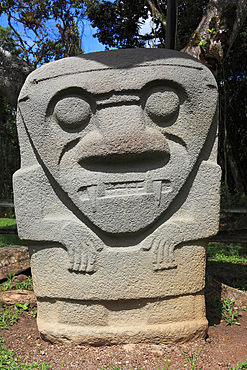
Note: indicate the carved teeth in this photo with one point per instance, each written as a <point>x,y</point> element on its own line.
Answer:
<point>157,186</point>
<point>149,183</point>
<point>92,193</point>
<point>120,189</point>
<point>101,189</point>
<point>124,188</point>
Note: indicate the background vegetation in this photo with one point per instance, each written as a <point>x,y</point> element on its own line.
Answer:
<point>42,30</point>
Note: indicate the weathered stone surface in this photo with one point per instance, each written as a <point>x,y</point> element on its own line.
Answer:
<point>11,297</point>
<point>13,260</point>
<point>232,294</point>
<point>118,193</point>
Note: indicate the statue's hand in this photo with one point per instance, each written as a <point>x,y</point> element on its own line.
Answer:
<point>82,248</point>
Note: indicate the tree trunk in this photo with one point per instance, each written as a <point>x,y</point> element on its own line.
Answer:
<point>239,186</point>
<point>217,31</point>
<point>13,72</point>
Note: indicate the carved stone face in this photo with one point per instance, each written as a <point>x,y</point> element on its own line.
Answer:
<point>120,131</point>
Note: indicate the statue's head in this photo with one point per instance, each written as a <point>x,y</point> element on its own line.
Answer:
<point>120,131</point>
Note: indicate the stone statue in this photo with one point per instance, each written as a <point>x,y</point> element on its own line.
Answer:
<point>117,194</point>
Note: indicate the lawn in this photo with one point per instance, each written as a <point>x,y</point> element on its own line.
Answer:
<point>9,239</point>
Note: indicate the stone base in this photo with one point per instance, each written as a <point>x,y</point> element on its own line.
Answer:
<point>170,320</point>
<point>181,332</point>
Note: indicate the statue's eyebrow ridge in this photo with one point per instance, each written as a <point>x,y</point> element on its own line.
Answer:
<point>115,98</point>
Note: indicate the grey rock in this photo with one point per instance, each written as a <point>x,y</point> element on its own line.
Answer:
<point>117,194</point>
<point>13,260</point>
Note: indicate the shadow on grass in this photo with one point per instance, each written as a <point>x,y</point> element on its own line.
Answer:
<point>231,274</point>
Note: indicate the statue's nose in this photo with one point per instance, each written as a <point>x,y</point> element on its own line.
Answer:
<point>122,135</point>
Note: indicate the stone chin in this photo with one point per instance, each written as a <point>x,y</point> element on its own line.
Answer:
<point>126,206</point>
<point>123,195</point>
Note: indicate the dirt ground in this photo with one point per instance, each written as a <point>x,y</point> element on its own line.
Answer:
<point>224,347</point>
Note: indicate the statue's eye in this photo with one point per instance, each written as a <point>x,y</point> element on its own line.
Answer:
<point>162,105</point>
<point>72,112</point>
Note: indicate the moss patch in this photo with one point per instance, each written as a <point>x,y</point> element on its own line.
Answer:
<point>213,23</point>
<point>196,39</point>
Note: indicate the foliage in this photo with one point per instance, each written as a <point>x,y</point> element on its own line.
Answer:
<point>165,365</point>
<point>8,41</point>
<point>229,261</point>
<point>33,313</point>
<point>230,315</point>
<point>23,306</point>
<point>119,22</point>
<point>50,30</point>
<point>191,359</point>
<point>232,84</point>
<point>8,316</point>
<point>112,367</point>
<point>7,222</point>
<point>25,285</point>
<point>231,253</point>
<point>8,358</point>
<point>9,148</point>
<point>242,366</point>
<point>233,199</point>
<point>44,30</point>
<point>38,32</point>
<point>9,239</point>
<point>10,283</point>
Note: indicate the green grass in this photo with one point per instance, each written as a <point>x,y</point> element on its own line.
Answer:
<point>9,239</point>
<point>10,283</point>
<point>242,366</point>
<point>8,316</point>
<point>7,222</point>
<point>233,253</point>
<point>230,315</point>
<point>228,261</point>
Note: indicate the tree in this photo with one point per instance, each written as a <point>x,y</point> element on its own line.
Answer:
<point>233,114</point>
<point>52,26</point>
<point>217,31</point>
<point>207,30</point>
<point>9,148</point>
<point>49,32</point>
<point>119,22</point>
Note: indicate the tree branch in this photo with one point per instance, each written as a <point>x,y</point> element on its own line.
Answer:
<point>156,13</point>
<point>224,18</point>
<point>13,72</point>
<point>18,36</point>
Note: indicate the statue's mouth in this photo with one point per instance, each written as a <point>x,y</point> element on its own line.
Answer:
<point>124,189</point>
